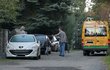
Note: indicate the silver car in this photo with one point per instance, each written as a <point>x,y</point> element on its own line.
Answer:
<point>23,45</point>
<point>55,44</point>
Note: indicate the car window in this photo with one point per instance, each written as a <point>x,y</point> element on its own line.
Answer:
<point>41,38</point>
<point>22,38</point>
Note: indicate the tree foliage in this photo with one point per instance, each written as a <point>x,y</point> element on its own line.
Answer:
<point>8,10</point>
<point>74,22</point>
<point>45,16</point>
<point>102,9</point>
<point>48,14</point>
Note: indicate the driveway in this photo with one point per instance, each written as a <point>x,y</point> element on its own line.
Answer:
<point>72,61</point>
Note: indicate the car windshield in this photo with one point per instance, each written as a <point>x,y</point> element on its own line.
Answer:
<point>99,31</point>
<point>22,38</point>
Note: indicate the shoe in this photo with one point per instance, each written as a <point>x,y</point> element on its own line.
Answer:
<point>62,55</point>
<point>59,55</point>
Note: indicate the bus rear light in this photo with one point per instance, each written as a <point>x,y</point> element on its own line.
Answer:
<point>82,40</point>
<point>82,44</point>
<point>108,40</point>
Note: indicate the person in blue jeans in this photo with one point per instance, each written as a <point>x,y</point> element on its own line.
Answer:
<point>62,40</point>
<point>62,49</point>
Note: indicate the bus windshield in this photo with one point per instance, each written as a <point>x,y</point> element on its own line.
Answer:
<point>100,31</point>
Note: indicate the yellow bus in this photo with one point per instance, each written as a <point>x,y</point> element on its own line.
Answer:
<point>95,37</point>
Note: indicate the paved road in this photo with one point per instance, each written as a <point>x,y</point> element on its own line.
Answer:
<point>72,61</point>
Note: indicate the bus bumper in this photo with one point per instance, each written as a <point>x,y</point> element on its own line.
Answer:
<point>96,48</point>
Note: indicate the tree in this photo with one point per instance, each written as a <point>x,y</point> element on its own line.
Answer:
<point>45,16</point>
<point>48,14</point>
<point>74,22</point>
<point>102,9</point>
<point>8,11</point>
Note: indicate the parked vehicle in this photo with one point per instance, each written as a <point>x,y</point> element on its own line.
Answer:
<point>54,43</point>
<point>23,45</point>
<point>95,37</point>
<point>45,42</point>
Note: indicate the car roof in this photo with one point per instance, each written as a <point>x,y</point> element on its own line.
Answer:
<point>24,34</point>
<point>39,34</point>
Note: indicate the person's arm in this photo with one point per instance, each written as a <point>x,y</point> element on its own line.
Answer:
<point>57,34</point>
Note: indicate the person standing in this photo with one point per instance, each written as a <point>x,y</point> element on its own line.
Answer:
<point>20,30</point>
<point>63,41</point>
<point>47,44</point>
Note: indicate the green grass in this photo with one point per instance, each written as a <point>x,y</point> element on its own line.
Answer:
<point>4,60</point>
<point>107,61</point>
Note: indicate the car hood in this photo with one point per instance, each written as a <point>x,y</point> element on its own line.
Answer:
<point>23,45</point>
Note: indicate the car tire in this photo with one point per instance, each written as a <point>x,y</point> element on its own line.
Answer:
<point>39,57</point>
<point>107,53</point>
<point>39,54</point>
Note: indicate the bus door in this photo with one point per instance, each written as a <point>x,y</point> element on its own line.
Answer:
<point>90,36</point>
<point>101,36</point>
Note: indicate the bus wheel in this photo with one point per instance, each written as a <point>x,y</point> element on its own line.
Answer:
<point>84,52</point>
<point>92,52</point>
<point>88,53</point>
<point>107,53</point>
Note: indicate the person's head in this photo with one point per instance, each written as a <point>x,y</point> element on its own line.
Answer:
<point>60,29</point>
<point>22,28</point>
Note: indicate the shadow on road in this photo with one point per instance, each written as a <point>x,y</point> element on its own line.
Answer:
<point>52,68</point>
<point>98,55</point>
<point>22,58</point>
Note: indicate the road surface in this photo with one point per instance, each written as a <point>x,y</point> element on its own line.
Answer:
<point>72,61</point>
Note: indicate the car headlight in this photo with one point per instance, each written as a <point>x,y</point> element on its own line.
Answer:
<point>8,46</point>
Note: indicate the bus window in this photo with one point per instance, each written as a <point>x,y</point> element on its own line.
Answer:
<point>90,31</point>
<point>101,31</point>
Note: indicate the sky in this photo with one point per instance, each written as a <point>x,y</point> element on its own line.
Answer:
<point>89,5</point>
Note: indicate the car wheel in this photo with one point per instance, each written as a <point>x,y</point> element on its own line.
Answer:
<point>39,54</point>
<point>107,53</point>
<point>39,57</point>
